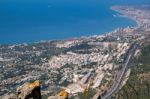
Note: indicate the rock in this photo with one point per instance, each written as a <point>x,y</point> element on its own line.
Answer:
<point>29,90</point>
<point>62,95</point>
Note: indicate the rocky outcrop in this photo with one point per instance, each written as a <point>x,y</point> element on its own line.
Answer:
<point>29,91</point>
<point>62,95</point>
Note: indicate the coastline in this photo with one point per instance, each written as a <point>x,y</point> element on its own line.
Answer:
<point>121,14</point>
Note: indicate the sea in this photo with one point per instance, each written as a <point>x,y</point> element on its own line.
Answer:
<point>27,21</point>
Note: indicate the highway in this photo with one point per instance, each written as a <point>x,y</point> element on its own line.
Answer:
<point>118,80</point>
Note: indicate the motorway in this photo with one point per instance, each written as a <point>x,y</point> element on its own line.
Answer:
<point>118,80</point>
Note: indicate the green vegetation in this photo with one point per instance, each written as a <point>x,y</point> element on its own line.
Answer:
<point>81,48</point>
<point>138,85</point>
<point>88,94</point>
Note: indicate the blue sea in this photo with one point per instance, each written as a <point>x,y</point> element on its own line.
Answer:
<point>27,21</point>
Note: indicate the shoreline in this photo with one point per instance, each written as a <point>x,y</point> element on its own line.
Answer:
<point>113,8</point>
<point>122,14</point>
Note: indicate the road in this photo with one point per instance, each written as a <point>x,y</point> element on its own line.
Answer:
<point>118,80</point>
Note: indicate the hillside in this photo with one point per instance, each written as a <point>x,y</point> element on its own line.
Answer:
<point>138,84</point>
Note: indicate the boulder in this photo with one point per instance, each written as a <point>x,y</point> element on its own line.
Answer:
<point>29,90</point>
<point>61,95</point>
